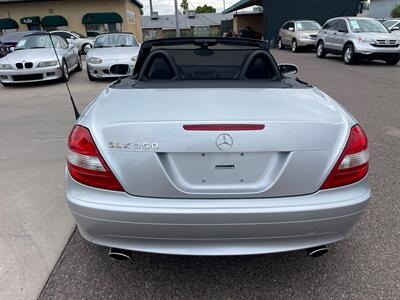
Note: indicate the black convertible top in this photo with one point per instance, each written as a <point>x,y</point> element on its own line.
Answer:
<point>206,62</point>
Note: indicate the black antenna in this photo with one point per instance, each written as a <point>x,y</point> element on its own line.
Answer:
<point>66,83</point>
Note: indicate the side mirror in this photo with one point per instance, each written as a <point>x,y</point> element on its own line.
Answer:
<point>395,28</point>
<point>342,30</point>
<point>288,69</point>
<point>11,49</point>
<point>71,46</point>
<point>291,29</point>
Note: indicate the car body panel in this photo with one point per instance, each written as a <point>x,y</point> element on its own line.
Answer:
<point>302,125</point>
<point>216,227</point>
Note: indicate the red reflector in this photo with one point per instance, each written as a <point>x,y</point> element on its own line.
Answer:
<point>352,165</point>
<point>85,163</point>
<point>224,127</point>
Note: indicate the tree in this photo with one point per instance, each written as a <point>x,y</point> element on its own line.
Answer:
<point>205,9</point>
<point>396,11</point>
<point>184,6</point>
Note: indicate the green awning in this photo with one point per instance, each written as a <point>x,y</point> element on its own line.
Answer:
<point>8,24</point>
<point>101,18</point>
<point>54,21</point>
<point>30,20</point>
<point>242,4</point>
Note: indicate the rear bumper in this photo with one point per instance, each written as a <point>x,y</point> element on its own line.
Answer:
<point>215,226</point>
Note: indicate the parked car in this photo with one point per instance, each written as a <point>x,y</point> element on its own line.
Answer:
<point>80,41</point>
<point>92,34</point>
<point>34,60</point>
<point>11,39</point>
<point>211,148</point>
<point>113,55</point>
<point>392,24</point>
<point>298,34</point>
<point>358,38</point>
<point>3,50</point>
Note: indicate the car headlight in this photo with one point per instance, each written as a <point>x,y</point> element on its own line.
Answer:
<point>305,36</point>
<point>95,60</point>
<point>134,58</point>
<point>5,67</point>
<point>366,40</point>
<point>397,42</point>
<point>45,64</point>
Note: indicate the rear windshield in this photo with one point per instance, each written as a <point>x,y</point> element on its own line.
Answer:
<point>217,62</point>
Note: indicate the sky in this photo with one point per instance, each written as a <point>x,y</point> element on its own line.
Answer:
<point>165,7</point>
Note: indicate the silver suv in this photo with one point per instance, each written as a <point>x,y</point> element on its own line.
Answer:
<point>297,34</point>
<point>358,38</point>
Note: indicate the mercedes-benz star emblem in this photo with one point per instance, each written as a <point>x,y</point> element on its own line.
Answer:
<point>224,142</point>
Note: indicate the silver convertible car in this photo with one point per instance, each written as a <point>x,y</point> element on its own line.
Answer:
<point>211,148</point>
<point>34,59</point>
<point>113,55</point>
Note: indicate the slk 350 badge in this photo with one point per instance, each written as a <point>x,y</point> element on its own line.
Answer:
<point>134,146</point>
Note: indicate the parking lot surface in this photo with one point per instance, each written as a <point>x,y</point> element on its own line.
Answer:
<point>365,266</point>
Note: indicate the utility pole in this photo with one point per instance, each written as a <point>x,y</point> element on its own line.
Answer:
<point>151,7</point>
<point>222,0</point>
<point>178,32</point>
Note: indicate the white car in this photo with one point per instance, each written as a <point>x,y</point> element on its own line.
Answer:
<point>113,55</point>
<point>34,59</point>
<point>79,40</point>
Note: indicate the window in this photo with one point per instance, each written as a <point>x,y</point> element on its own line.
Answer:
<point>40,41</point>
<point>342,26</point>
<point>115,40</point>
<point>331,25</point>
<point>307,26</point>
<point>367,25</point>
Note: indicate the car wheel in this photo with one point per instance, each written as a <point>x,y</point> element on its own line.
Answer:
<point>392,60</point>
<point>91,78</point>
<point>294,46</point>
<point>79,65</point>
<point>86,48</point>
<point>321,52</point>
<point>65,73</point>
<point>348,55</point>
<point>280,44</point>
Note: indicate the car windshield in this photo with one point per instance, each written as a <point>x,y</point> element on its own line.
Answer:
<point>301,26</point>
<point>77,34</point>
<point>390,23</point>
<point>115,40</point>
<point>37,41</point>
<point>366,25</point>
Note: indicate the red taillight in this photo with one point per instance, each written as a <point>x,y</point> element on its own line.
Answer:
<point>352,165</point>
<point>85,163</point>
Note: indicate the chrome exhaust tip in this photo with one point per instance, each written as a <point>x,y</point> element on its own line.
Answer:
<point>317,251</point>
<point>119,254</point>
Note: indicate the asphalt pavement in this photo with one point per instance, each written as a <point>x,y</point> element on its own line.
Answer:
<point>364,266</point>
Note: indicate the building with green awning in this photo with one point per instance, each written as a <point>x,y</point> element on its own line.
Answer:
<point>87,17</point>
<point>8,23</point>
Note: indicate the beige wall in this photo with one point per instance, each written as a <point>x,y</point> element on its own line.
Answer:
<point>253,20</point>
<point>73,11</point>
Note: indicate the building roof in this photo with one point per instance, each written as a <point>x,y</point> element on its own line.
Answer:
<point>137,2</point>
<point>242,4</point>
<point>166,22</point>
